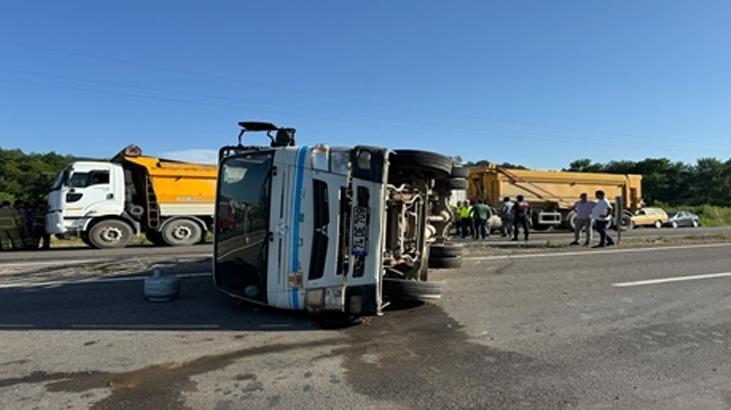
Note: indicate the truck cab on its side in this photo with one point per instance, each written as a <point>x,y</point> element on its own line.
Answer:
<point>330,229</point>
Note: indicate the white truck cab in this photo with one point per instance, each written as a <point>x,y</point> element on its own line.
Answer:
<point>330,229</point>
<point>82,192</point>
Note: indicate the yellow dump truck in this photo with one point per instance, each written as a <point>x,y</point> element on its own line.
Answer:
<point>552,194</point>
<point>107,203</point>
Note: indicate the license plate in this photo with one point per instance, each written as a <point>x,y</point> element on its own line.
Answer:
<point>360,231</point>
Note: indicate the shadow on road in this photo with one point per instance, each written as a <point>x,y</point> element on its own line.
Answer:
<point>121,306</point>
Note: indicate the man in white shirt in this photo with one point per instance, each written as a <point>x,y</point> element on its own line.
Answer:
<point>602,214</point>
<point>583,208</point>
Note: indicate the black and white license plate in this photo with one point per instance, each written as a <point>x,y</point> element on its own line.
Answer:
<point>360,231</point>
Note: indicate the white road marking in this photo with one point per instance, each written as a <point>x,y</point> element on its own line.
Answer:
<point>595,252</point>
<point>670,280</point>
<point>109,259</point>
<point>150,326</point>
<point>94,280</point>
<point>51,263</point>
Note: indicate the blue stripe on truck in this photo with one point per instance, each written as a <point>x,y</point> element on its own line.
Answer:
<point>299,177</point>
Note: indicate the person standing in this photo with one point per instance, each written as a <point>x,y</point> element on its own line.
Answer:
<point>583,222</point>
<point>506,217</point>
<point>521,218</point>
<point>465,216</point>
<point>602,214</point>
<point>481,213</point>
<point>457,220</point>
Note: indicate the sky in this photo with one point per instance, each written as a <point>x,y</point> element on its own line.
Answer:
<point>538,83</point>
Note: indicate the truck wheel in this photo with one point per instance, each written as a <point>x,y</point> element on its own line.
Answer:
<point>110,233</point>
<point>411,289</point>
<point>459,172</point>
<point>627,223</point>
<point>85,238</point>
<point>181,232</point>
<point>445,251</point>
<point>454,262</point>
<point>155,237</point>
<point>571,220</point>
<point>406,160</point>
<point>451,183</point>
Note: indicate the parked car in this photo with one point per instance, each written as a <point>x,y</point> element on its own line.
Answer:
<point>649,217</point>
<point>677,219</point>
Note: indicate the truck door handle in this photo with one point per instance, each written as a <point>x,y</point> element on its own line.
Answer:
<point>110,196</point>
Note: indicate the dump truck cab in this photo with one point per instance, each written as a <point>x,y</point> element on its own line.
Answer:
<point>321,228</point>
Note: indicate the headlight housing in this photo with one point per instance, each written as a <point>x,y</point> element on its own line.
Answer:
<point>340,162</point>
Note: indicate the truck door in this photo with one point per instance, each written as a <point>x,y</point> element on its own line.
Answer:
<point>89,192</point>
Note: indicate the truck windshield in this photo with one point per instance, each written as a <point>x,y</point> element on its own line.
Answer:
<point>61,179</point>
<point>242,225</point>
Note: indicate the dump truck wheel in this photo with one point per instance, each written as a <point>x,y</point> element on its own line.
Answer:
<point>445,251</point>
<point>438,165</point>
<point>110,233</point>
<point>460,172</point>
<point>454,262</point>
<point>451,183</point>
<point>181,232</point>
<point>411,289</point>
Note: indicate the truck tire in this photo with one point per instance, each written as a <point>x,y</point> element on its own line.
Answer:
<point>571,220</point>
<point>445,251</point>
<point>451,183</point>
<point>110,233</point>
<point>181,232</point>
<point>459,172</point>
<point>438,165</point>
<point>411,289</point>
<point>626,222</point>
<point>454,262</point>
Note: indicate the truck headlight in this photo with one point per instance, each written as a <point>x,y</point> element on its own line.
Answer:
<point>340,162</point>
<point>319,158</point>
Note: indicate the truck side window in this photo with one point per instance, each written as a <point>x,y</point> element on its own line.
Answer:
<point>99,178</point>
<point>85,179</point>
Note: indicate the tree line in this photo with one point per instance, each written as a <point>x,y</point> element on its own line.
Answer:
<point>706,182</point>
<point>29,176</point>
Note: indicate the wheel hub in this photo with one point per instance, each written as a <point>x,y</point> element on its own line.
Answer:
<point>112,234</point>
<point>181,232</point>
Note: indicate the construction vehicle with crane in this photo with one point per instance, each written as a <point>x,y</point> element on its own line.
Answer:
<point>552,194</point>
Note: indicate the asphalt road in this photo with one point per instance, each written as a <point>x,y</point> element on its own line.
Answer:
<point>534,331</point>
<point>84,254</point>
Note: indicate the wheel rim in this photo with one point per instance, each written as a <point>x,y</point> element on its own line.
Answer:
<point>182,232</point>
<point>111,234</point>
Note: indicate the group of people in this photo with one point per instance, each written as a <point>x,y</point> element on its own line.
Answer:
<point>474,220</point>
<point>593,214</point>
<point>19,228</point>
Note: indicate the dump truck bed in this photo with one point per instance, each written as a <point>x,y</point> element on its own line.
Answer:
<point>562,188</point>
<point>181,188</point>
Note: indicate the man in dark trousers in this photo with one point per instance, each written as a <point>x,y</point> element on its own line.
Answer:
<point>602,214</point>
<point>521,218</point>
<point>481,214</point>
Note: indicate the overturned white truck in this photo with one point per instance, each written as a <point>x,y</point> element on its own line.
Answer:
<point>331,229</point>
